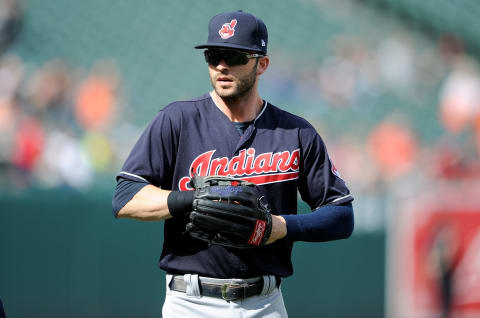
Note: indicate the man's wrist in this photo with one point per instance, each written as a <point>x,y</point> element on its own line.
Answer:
<point>293,225</point>
<point>180,202</point>
<point>279,228</point>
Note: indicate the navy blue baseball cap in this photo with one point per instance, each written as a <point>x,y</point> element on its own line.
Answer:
<point>237,30</point>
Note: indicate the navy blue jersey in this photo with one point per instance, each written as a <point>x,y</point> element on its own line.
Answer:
<point>280,152</point>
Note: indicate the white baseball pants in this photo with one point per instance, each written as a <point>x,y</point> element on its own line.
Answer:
<point>269,304</point>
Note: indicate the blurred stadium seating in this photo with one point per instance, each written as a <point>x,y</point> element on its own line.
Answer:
<point>439,16</point>
<point>333,65</point>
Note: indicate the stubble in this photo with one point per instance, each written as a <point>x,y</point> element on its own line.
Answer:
<point>243,87</point>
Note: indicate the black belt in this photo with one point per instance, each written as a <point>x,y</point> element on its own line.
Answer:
<point>227,291</point>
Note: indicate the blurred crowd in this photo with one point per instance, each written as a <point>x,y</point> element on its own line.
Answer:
<point>397,114</point>
<point>56,120</point>
<point>57,124</point>
<point>438,137</point>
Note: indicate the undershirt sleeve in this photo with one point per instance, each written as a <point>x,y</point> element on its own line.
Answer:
<point>326,223</point>
<point>124,192</point>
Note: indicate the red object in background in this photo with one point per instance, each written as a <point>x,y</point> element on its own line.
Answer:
<point>95,102</point>
<point>455,256</point>
<point>393,147</point>
<point>29,143</point>
<point>451,163</point>
<point>434,262</point>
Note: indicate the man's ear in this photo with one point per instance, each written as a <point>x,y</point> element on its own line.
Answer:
<point>262,65</point>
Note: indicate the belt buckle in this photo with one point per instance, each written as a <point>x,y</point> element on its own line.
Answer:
<point>224,292</point>
<point>225,287</point>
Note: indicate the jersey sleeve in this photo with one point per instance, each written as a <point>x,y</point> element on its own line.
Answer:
<point>320,183</point>
<point>153,156</point>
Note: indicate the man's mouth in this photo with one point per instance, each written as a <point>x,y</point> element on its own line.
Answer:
<point>224,79</point>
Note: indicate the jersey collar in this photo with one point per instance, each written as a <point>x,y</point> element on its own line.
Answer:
<point>259,114</point>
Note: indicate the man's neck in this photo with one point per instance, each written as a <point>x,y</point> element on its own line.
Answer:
<point>243,109</point>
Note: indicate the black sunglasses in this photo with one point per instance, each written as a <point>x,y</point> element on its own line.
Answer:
<point>231,57</point>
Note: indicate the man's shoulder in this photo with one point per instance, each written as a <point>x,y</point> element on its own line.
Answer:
<point>287,118</point>
<point>180,110</point>
<point>186,105</point>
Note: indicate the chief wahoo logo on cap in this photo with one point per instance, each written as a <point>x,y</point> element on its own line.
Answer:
<point>228,29</point>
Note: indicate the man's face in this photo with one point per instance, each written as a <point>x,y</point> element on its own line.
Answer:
<point>232,82</point>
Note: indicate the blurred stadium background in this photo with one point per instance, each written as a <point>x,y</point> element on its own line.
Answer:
<point>393,86</point>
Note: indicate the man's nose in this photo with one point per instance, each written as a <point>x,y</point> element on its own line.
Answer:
<point>222,65</point>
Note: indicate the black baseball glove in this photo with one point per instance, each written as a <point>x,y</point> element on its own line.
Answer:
<point>229,212</point>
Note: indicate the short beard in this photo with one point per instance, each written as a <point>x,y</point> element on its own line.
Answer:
<point>245,85</point>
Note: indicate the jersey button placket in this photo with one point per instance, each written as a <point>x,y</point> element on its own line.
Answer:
<point>247,136</point>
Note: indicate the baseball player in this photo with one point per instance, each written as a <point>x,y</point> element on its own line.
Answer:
<point>223,171</point>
